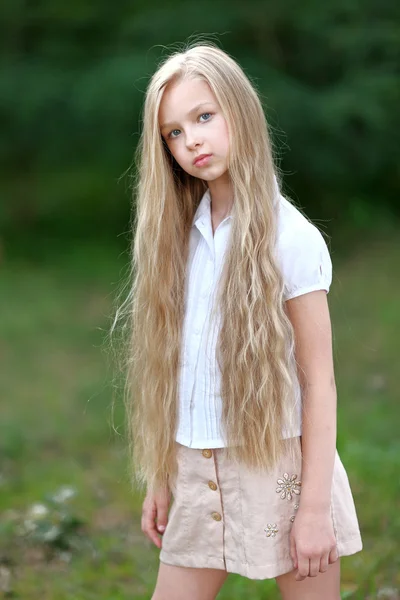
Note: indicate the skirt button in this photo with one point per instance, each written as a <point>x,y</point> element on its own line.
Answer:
<point>207,453</point>
<point>216,516</point>
<point>212,485</point>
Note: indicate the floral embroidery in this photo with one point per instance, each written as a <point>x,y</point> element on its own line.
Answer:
<point>288,486</point>
<point>296,506</point>
<point>271,530</point>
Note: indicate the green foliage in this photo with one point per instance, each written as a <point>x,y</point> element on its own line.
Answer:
<point>53,524</point>
<point>73,75</point>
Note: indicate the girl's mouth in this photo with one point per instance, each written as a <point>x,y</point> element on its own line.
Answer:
<point>202,160</point>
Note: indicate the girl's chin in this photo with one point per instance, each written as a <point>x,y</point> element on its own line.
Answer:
<point>223,176</point>
<point>210,174</point>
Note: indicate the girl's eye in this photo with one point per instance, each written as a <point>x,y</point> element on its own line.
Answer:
<point>206,115</point>
<point>173,132</point>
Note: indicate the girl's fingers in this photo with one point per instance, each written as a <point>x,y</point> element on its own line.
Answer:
<point>293,553</point>
<point>148,524</point>
<point>333,555</point>
<point>162,515</point>
<point>324,563</point>
<point>303,568</point>
<point>314,566</point>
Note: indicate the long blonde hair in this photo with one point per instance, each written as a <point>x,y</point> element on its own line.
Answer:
<point>255,346</point>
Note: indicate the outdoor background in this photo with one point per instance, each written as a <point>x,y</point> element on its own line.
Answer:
<point>72,78</point>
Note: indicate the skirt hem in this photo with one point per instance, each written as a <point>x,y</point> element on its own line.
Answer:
<point>345,548</point>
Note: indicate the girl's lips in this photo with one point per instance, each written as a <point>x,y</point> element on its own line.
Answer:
<point>202,160</point>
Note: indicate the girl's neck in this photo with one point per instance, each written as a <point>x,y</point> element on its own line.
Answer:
<point>221,192</point>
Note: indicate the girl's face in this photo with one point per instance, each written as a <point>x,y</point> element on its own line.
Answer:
<point>192,124</point>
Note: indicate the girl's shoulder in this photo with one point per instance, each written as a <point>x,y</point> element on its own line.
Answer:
<point>295,230</point>
<point>301,251</point>
<point>291,219</point>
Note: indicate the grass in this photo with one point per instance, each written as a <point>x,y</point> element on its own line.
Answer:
<point>55,429</point>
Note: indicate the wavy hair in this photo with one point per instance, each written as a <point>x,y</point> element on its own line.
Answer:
<point>255,345</point>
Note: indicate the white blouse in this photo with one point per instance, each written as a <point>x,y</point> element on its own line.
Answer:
<point>306,266</point>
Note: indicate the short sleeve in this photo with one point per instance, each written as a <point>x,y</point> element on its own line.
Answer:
<point>305,260</point>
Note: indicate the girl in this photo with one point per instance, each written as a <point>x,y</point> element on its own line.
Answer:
<point>232,406</point>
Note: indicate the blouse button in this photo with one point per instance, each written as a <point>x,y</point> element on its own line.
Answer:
<point>212,485</point>
<point>216,516</point>
<point>207,453</point>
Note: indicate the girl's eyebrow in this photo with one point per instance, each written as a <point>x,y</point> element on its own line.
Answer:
<point>191,111</point>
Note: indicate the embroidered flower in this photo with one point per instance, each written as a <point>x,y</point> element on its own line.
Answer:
<point>271,530</point>
<point>288,486</point>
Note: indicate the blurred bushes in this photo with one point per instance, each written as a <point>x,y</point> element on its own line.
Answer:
<point>72,82</point>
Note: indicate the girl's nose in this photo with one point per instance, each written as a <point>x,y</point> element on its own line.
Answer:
<point>192,141</point>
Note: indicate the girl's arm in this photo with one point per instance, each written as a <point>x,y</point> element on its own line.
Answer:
<point>310,318</point>
<point>309,315</point>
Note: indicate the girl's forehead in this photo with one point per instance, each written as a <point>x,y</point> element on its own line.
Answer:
<point>181,96</point>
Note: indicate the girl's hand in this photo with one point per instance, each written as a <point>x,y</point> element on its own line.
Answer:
<point>312,542</point>
<point>155,506</point>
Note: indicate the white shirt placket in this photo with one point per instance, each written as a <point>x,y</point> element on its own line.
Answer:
<point>204,279</point>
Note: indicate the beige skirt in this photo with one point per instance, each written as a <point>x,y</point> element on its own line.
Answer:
<point>227,517</point>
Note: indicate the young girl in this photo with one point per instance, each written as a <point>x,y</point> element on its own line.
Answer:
<point>232,406</point>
